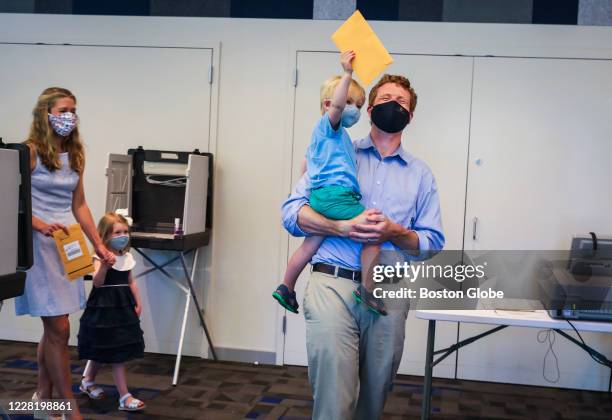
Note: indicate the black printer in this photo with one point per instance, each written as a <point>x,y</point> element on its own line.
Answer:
<point>580,288</point>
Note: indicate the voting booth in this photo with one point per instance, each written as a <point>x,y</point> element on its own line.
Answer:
<point>168,195</point>
<point>159,188</point>
<point>16,214</point>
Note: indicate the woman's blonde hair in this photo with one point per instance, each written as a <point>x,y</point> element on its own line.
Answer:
<point>41,133</point>
<point>106,224</point>
<point>356,92</point>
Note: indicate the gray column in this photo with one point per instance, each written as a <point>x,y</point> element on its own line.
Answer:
<point>333,9</point>
<point>595,12</point>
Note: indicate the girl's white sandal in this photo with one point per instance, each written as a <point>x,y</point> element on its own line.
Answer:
<point>134,405</point>
<point>92,390</point>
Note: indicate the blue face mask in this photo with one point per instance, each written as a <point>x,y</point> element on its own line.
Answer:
<point>350,116</point>
<point>118,243</point>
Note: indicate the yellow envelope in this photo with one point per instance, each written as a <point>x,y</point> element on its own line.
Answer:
<point>371,57</point>
<point>73,252</point>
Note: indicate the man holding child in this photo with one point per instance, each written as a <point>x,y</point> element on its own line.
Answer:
<point>353,352</point>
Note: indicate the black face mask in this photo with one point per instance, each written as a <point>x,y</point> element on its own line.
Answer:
<point>390,117</point>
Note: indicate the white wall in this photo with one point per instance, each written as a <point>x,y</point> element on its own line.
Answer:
<point>256,63</point>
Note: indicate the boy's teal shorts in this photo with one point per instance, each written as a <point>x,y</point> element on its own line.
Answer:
<point>336,202</point>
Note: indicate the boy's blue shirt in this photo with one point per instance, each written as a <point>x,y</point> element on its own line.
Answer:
<point>331,158</point>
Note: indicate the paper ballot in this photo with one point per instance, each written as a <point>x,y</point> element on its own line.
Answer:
<point>73,252</point>
<point>371,57</point>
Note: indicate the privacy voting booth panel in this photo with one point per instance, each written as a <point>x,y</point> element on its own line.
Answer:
<point>15,212</point>
<point>159,186</point>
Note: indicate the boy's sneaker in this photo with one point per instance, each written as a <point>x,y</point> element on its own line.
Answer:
<point>373,303</point>
<point>286,298</point>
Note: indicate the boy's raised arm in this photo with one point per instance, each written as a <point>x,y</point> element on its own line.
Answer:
<point>338,101</point>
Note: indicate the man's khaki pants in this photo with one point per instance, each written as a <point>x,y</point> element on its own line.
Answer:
<point>353,354</point>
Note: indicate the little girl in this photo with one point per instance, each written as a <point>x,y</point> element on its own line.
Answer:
<point>110,326</point>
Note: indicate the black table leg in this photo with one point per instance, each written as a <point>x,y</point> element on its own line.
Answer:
<point>431,337</point>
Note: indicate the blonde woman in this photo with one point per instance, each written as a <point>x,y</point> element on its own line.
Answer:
<point>58,198</point>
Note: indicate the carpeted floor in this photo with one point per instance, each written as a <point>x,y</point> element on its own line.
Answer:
<point>226,390</point>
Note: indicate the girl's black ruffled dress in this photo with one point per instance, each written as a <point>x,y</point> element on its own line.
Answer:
<point>110,329</point>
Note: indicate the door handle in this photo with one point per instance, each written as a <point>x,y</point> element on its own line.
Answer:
<point>474,226</point>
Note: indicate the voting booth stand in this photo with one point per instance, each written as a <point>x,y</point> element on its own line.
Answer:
<point>16,214</point>
<point>168,195</point>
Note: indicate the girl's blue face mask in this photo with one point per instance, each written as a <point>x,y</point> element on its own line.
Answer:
<point>119,243</point>
<point>350,116</point>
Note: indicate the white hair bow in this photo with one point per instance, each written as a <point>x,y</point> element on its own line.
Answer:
<point>124,213</point>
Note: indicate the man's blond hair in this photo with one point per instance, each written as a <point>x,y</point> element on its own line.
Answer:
<point>356,92</point>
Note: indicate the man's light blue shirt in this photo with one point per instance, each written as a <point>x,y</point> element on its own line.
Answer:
<point>330,158</point>
<point>401,186</point>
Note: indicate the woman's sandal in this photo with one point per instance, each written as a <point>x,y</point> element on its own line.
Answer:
<point>134,405</point>
<point>38,414</point>
<point>43,415</point>
<point>92,390</point>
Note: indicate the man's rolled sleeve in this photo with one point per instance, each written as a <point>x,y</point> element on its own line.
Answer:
<point>291,207</point>
<point>428,223</point>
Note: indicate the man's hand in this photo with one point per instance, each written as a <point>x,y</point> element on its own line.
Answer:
<point>346,59</point>
<point>366,217</point>
<point>347,227</point>
<point>373,227</point>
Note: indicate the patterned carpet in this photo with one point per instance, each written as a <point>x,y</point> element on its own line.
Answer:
<point>226,390</point>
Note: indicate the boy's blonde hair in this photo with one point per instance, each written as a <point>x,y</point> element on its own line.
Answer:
<point>355,92</point>
<point>106,224</point>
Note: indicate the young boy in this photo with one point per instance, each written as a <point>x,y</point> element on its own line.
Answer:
<point>334,190</point>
